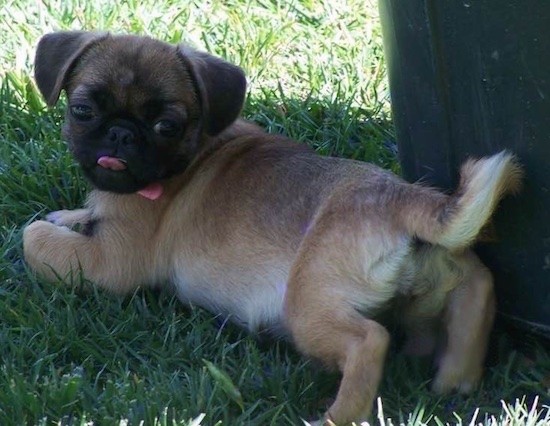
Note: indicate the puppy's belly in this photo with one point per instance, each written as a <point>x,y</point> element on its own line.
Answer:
<point>249,297</point>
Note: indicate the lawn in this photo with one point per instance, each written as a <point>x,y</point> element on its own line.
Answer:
<point>77,355</point>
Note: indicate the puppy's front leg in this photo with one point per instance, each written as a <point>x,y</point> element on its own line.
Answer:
<point>56,252</point>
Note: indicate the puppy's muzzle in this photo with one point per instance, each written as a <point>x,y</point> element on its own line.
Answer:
<point>119,137</point>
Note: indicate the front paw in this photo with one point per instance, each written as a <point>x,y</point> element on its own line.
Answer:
<point>69,218</point>
<point>58,218</point>
<point>40,247</point>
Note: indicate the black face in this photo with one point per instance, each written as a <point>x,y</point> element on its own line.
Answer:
<point>125,149</point>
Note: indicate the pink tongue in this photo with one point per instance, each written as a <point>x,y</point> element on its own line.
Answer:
<point>151,191</point>
<point>111,163</point>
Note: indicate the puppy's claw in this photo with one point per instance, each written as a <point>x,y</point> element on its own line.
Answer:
<point>443,387</point>
<point>319,422</point>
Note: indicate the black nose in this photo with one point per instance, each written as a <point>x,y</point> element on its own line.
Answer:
<point>121,135</point>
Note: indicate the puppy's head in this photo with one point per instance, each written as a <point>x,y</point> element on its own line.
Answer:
<point>138,108</point>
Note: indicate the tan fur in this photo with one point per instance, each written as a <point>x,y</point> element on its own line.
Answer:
<point>264,231</point>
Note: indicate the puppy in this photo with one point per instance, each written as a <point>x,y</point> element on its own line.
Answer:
<point>256,227</point>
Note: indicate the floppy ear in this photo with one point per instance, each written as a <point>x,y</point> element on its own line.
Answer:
<point>56,55</point>
<point>222,88</point>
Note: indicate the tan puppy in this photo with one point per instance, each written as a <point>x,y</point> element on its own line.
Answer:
<point>255,226</point>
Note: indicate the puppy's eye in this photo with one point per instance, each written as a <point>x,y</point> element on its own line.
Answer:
<point>82,112</point>
<point>166,128</point>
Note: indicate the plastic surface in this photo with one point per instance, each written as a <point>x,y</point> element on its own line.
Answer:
<point>470,78</point>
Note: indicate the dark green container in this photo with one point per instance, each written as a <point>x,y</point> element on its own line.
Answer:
<point>470,78</point>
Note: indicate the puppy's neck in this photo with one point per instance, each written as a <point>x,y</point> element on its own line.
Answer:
<point>211,144</point>
<point>239,128</point>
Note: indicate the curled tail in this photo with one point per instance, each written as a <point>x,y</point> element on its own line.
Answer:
<point>455,221</point>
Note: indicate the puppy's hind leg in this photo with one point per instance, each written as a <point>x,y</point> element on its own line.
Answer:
<point>343,339</point>
<point>332,279</point>
<point>468,321</point>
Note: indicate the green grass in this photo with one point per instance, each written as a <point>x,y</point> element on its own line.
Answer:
<point>77,355</point>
